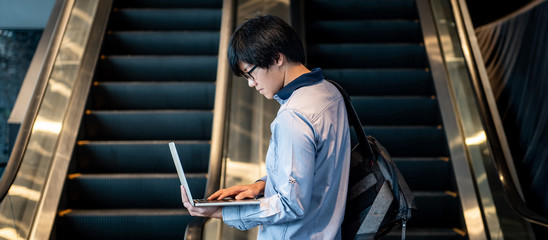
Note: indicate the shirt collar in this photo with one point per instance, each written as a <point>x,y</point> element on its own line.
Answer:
<point>314,76</point>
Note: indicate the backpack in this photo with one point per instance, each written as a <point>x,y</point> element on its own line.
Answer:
<point>378,196</point>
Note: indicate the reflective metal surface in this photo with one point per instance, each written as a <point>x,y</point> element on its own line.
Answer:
<point>212,228</point>
<point>451,20</point>
<point>47,207</point>
<point>484,121</point>
<point>473,132</point>
<point>472,55</point>
<point>19,208</point>
<point>434,41</point>
<point>466,106</point>
<point>33,88</point>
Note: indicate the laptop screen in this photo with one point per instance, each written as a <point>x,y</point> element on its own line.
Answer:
<point>180,171</point>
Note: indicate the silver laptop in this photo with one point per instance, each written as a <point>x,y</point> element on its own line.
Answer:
<point>204,202</point>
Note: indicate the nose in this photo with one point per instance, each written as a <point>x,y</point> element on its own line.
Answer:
<point>251,83</point>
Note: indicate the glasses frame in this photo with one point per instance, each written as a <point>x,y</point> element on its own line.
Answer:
<point>247,75</point>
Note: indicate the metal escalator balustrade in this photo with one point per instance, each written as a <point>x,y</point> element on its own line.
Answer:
<point>375,50</point>
<point>59,77</point>
<point>154,83</point>
<point>487,150</point>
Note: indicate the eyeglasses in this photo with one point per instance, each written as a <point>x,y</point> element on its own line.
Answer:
<point>247,75</point>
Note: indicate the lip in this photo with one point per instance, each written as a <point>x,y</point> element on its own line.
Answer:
<point>260,90</point>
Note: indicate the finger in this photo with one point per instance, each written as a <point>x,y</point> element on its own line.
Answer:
<point>215,194</point>
<point>228,193</point>
<point>184,197</point>
<point>233,191</point>
<point>223,195</point>
<point>245,194</point>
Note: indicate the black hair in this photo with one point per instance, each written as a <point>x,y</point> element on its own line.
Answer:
<point>260,40</point>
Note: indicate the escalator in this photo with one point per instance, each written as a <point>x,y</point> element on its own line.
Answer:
<point>154,83</point>
<point>375,50</point>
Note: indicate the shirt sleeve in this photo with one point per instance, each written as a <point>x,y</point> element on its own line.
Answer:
<point>291,178</point>
<point>262,179</point>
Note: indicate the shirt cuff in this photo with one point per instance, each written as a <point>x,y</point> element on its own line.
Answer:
<point>262,179</point>
<point>231,216</point>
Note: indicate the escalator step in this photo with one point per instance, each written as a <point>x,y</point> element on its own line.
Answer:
<point>436,210</point>
<point>427,234</point>
<point>129,191</point>
<point>123,224</point>
<point>372,9</point>
<point>159,43</point>
<point>148,125</point>
<point>154,83</point>
<point>150,95</point>
<point>383,81</point>
<point>367,55</point>
<point>175,19</point>
<point>396,110</point>
<point>438,170</point>
<point>168,4</point>
<point>140,157</point>
<point>155,68</point>
<point>410,141</point>
<point>374,49</point>
<point>365,31</point>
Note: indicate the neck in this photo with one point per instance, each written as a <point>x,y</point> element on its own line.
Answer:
<point>294,71</point>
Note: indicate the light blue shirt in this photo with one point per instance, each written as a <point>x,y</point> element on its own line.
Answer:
<point>307,165</point>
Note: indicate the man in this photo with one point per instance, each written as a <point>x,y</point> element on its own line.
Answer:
<point>309,152</point>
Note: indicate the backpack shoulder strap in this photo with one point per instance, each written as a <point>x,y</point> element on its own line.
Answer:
<point>355,121</point>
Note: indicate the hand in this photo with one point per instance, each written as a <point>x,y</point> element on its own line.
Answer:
<point>240,191</point>
<point>213,212</point>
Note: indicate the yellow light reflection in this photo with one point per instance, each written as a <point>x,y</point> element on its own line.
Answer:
<point>24,192</point>
<point>59,87</point>
<point>476,139</point>
<point>474,215</point>
<point>9,233</point>
<point>47,126</point>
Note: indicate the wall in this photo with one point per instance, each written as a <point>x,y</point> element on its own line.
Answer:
<point>24,14</point>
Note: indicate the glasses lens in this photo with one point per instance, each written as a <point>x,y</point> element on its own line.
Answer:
<point>247,75</point>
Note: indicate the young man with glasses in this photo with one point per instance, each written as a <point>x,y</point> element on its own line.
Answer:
<point>309,152</point>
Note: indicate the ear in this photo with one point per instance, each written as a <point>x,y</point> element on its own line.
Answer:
<point>281,59</point>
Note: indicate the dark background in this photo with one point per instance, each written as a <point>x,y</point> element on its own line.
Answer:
<point>486,11</point>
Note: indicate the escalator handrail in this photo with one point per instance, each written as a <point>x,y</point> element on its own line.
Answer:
<point>494,130</point>
<point>40,68</point>
<point>222,99</point>
<point>221,113</point>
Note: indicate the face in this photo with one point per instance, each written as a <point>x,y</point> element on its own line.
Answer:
<point>266,81</point>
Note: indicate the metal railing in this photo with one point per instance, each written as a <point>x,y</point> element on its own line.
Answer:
<point>195,230</point>
<point>34,86</point>
<point>503,159</point>
<point>31,188</point>
<point>485,141</point>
